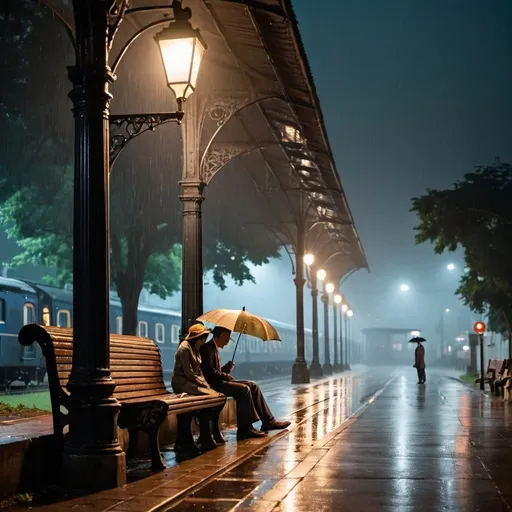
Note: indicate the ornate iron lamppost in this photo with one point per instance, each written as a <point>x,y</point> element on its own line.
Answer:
<point>315,369</point>
<point>92,456</point>
<point>300,373</point>
<point>328,289</point>
<point>337,299</point>
<point>344,343</point>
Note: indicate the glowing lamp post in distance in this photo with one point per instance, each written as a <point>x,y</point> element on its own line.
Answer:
<point>404,287</point>
<point>338,298</point>
<point>182,49</point>
<point>329,287</point>
<point>479,328</point>
<point>321,274</point>
<point>309,259</point>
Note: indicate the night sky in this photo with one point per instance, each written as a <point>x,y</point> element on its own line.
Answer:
<point>414,94</point>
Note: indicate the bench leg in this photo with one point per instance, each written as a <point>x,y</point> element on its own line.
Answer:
<point>185,446</point>
<point>157,462</point>
<point>205,441</point>
<point>217,434</point>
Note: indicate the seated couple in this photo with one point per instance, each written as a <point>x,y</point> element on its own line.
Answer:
<point>197,371</point>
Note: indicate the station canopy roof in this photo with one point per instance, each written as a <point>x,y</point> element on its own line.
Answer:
<point>255,111</point>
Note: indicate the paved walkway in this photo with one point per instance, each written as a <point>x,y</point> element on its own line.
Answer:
<point>440,447</point>
<point>358,442</point>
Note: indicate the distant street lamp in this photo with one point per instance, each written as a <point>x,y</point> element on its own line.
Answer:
<point>321,274</point>
<point>315,369</point>
<point>327,289</point>
<point>309,259</point>
<point>350,341</point>
<point>344,345</point>
<point>404,287</point>
<point>450,266</point>
<point>337,299</point>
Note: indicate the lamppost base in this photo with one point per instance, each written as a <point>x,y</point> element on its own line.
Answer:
<point>346,367</point>
<point>337,368</point>
<point>327,369</point>
<point>94,471</point>
<point>300,373</point>
<point>315,369</point>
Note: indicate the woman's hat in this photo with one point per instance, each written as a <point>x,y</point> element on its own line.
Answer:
<point>196,331</point>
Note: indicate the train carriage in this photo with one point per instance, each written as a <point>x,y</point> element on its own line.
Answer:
<point>19,306</point>
<point>26,302</point>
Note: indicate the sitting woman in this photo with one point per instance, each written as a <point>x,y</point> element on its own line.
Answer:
<point>188,378</point>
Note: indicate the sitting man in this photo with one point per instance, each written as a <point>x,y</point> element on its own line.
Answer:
<point>250,404</point>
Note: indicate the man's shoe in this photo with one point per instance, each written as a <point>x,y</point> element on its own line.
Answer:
<point>249,433</point>
<point>275,425</point>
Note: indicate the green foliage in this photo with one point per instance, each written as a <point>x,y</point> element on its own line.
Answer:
<point>476,215</point>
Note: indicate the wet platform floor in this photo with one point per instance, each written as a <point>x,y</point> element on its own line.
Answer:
<point>357,442</point>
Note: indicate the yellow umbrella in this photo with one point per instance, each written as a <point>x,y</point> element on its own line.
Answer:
<point>242,322</point>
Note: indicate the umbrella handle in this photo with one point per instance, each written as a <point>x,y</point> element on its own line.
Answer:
<point>236,345</point>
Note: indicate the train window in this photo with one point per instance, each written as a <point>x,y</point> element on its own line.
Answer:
<point>119,325</point>
<point>63,318</point>
<point>29,313</point>
<point>29,317</point>
<point>160,333</point>
<point>142,329</point>
<point>46,316</point>
<point>175,334</point>
<point>3,311</point>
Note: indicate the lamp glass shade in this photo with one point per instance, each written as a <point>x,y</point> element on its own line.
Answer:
<point>338,298</point>
<point>321,274</point>
<point>182,53</point>
<point>329,287</point>
<point>344,308</point>
<point>350,313</point>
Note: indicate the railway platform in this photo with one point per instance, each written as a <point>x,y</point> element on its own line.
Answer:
<point>368,440</point>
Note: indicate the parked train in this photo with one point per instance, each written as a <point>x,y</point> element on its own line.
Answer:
<point>24,302</point>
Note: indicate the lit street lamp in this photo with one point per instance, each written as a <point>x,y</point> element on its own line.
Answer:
<point>450,267</point>
<point>182,49</point>
<point>404,287</point>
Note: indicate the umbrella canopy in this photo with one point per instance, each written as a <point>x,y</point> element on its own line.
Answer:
<point>417,339</point>
<point>242,322</point>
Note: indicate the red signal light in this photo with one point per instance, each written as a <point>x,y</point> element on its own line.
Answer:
<point>479,327</point>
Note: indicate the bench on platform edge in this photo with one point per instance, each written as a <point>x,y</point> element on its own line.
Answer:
<point>136,368</point>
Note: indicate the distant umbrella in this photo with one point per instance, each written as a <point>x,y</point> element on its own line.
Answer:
<point>417,339</point>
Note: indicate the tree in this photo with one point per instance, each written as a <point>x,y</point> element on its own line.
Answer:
<point>476,214</point>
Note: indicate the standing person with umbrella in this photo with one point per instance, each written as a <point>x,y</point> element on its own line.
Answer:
<point>250,402</point>
<point>419,359</point>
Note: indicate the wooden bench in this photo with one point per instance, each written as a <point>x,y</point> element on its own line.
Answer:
<point>490,375</point>
<point>136,368</point>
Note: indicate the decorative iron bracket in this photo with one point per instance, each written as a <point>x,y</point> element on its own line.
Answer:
<point>124,128</point>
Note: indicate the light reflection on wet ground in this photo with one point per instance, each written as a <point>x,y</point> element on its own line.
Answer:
<point>440,447</point>
<point>352,445</point>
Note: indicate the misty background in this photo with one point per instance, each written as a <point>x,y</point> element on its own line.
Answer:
<point>414,95</point>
